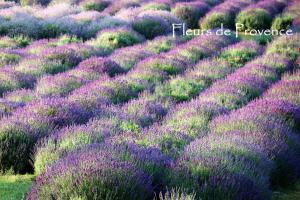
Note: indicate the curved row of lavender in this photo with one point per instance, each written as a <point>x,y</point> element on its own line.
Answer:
<point>265,73</point>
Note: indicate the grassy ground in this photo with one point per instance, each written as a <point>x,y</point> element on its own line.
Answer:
<point>14,187</point>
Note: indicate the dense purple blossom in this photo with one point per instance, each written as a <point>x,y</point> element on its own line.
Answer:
<point>112,177</point>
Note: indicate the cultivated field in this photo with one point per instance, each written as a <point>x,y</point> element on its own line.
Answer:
<point>108,100</point>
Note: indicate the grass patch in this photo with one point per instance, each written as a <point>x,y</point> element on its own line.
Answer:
<point>14,187</point>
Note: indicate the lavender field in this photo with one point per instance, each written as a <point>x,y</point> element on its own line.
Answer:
<point>146,100</point>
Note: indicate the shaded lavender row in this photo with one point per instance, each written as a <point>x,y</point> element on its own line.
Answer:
<point>224,13</point>
<point>250,150</point>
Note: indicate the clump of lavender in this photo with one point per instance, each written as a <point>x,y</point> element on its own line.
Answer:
<point>8,58</point>
<point>101,66</point>
<point>111,39</point>
<point>59,85</point>
<point>190,12</point>
<point>127,57</point>
<point>12,80</point>
<point>21,96</point>
<point>98,5</point>
<point>98,169</point>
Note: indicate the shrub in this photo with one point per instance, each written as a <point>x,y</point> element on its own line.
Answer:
<point>156,6</point>
<point>12,80</point>
<point>16,145</point>
<point>181,88</point>
<point>98,5</point>
<point>101,65</point>
<point>258,19</point>
<point>214,20</point>
<point>144,112</point>
<point>129,56</point>
<point>150,26</point>
<point>282,22</point>
<point>8,58</point>
<point>59,85</point>
<point>98,169</point>
<point>21,96</point>
<point>190,13</point>
<point>50,30</point>
<point>161,44</point>
<point>58,111</point>
<point>34,2</point>
<point>164,64</point>
<point>111,39</point>
<point>7,42</point>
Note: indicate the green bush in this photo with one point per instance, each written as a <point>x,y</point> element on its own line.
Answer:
<point>156,6</point>
<point>15,148</point>
<point>98,5</point>
<point>283,22</point>
<point>34,2</point>
<point>150,27</point>
<point>190,13</point>
<point>216,19</point>
<point>111,39</point>
<point>257,19</point>
<point>181,89</point>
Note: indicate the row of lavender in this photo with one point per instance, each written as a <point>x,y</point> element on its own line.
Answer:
<point>37,118</point>
<point>188,173</point>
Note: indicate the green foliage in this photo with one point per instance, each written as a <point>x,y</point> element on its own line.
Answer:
<point>66,39</point>
<point>149,27</point>
<point>95,5</point>
<point>130,126</point>
<point>283,22</point>
<point>216,19</point>
<point>15,144</point>
<point>159,46</point>
<point>181,89</point>
<point>258,19</point>
<point>237,58</point>
<point>8,59</point>
<point>49,30</point>
<point>34,2</point>
<point>22,40</point>
<point>189,14</point>
<point>156,6</point>
<point>111,40</point>
<point>45,157</point>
